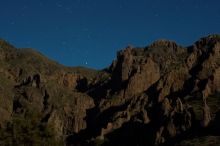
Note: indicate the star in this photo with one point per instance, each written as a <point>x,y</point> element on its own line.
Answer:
<point>57,28</point>
<point>85,29</point>
<point>24,7</point>
<point>156,15</point>
<point>89,36</point>
<point>28,43</point>
<point>64,43</point>
<point>12,23</point>
<point>59,5</point>
<point>41,3</point>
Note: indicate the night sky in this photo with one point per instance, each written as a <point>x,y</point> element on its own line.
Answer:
<point>90,32</point>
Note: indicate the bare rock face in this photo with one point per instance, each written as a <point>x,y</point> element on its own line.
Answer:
<point>172,82</point>
<point>154,95</point>
<point>106,130</point>
<point>155,86</point>
<point>146,75</point>
<point>38,94</point>
<point>213,83</point>
<point>71,118</point>
<point>206,115</point>
<point>159,138</point>
<point>133,72</point>
<point>68,80</point>
<point>166,107</point>
<point>66,117</point>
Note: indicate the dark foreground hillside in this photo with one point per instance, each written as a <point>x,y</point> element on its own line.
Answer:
<point>163,94</point>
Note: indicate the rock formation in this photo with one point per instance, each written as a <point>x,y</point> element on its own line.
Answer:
<point>157,95</point>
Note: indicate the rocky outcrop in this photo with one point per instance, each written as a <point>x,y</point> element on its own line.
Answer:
<point>157,84</point>
<point>68,80</point>
<point>71,118</point>
<point>133,72</point>
<point>35,90</point>
<point>206,115</point>
<point>148,96</point>
<point>143,77</point>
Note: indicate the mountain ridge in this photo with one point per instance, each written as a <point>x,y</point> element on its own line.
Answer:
<point>162,94</point>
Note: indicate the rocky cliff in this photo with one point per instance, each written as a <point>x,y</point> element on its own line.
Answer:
<point>162,94</point>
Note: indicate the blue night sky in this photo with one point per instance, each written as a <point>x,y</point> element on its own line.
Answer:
<point>90,32</point>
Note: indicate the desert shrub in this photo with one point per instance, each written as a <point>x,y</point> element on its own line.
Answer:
<point>101,142</point>
<point>28,130</point>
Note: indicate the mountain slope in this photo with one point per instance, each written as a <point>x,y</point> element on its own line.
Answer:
<point>32,84</point>
<point>163,94</point>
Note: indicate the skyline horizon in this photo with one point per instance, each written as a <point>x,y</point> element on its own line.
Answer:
<point>84,66</point>
<point>88,33</point>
